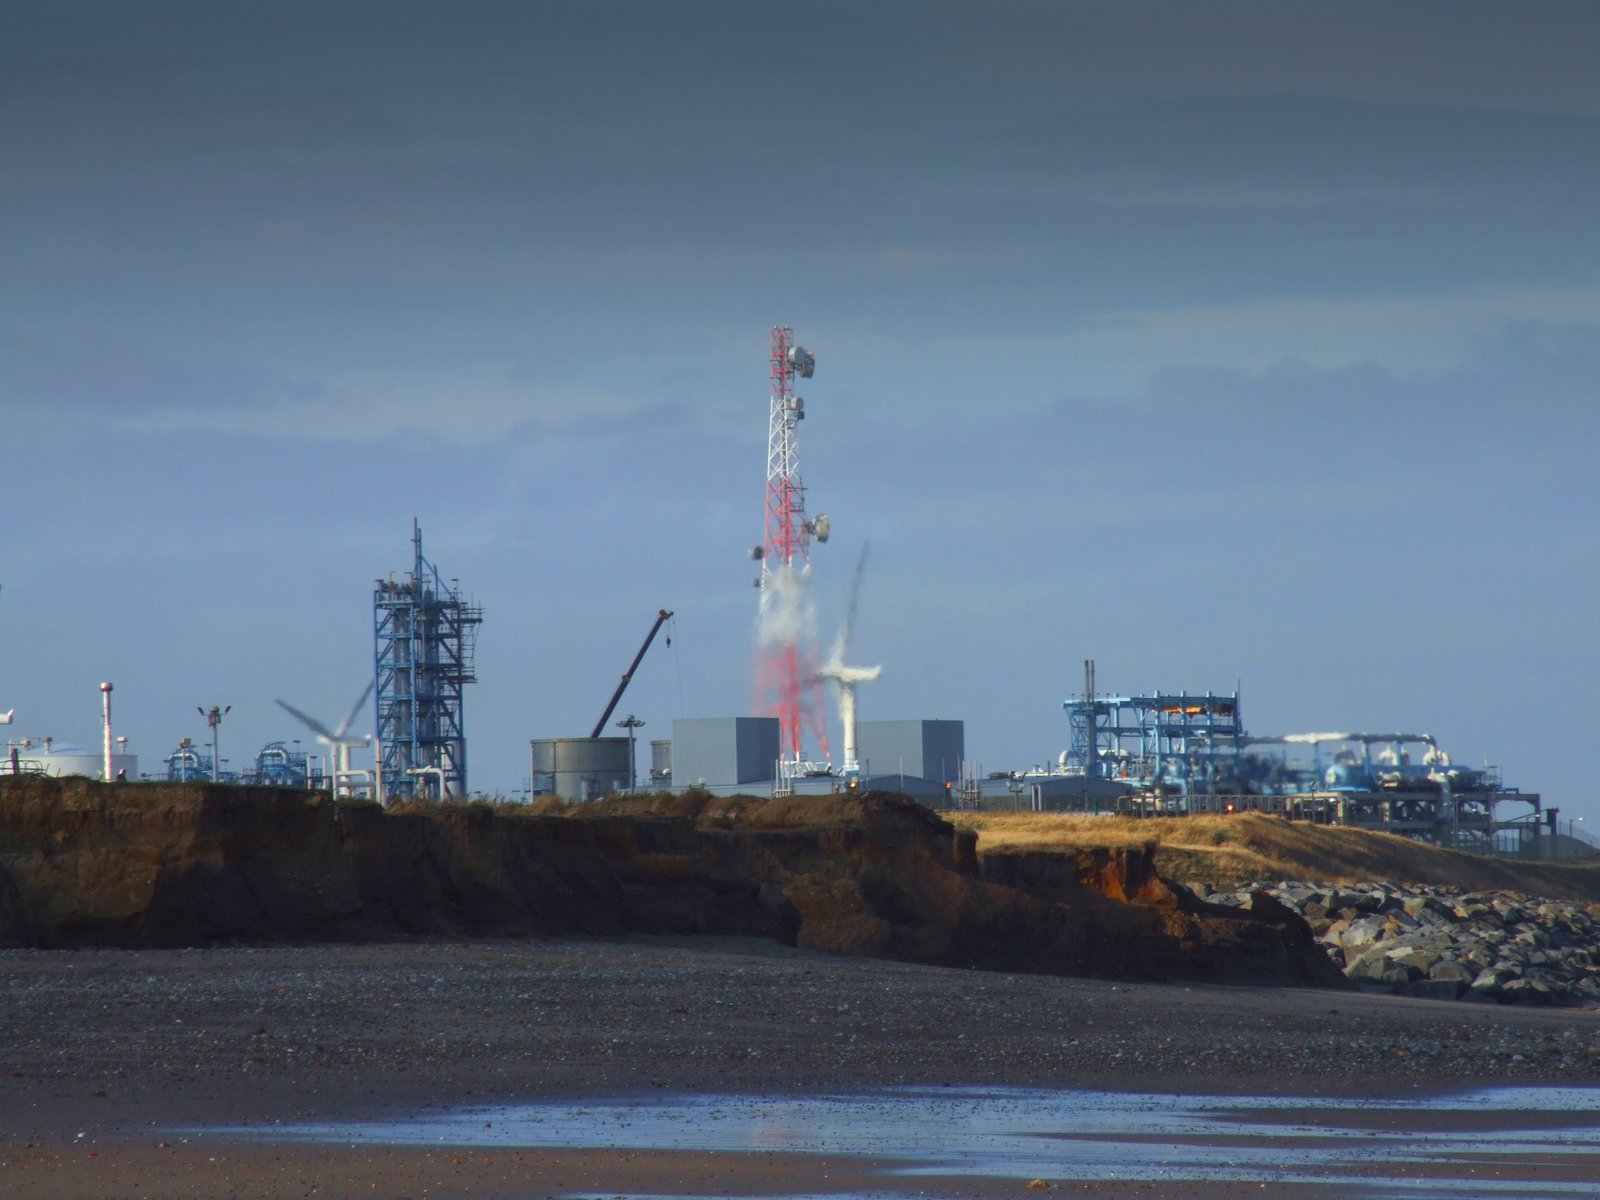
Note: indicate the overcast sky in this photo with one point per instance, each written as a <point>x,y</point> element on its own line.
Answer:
<point>1231,345</point>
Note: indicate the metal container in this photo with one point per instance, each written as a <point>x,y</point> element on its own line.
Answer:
<point>661,760</point>
<point>580,768</point>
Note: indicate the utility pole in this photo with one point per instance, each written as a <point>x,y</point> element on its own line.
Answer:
<point>213,719</point>
<point>630,723</point>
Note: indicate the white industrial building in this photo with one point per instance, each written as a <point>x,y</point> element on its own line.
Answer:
<point>46,756</point>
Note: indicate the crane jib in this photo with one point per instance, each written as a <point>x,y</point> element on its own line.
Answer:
<point>627,676</point>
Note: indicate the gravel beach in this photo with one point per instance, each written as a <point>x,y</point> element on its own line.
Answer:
<point>104,1054</point>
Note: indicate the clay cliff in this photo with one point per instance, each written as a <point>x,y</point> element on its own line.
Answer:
<point>134,865</point>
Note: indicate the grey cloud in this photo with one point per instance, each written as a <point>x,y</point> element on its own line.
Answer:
<point>50,378</point>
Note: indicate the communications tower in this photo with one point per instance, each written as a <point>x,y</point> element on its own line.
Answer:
<point>426,641</point>
<point>787,683</point>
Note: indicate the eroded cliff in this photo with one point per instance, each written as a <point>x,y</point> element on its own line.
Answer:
<point>84,863</point>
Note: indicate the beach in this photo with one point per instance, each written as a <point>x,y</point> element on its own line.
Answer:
<point>163,1073</point>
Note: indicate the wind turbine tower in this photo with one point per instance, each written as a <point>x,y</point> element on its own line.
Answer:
<point>844,676</point>
<point>339,745</point>
<point>786,680</point>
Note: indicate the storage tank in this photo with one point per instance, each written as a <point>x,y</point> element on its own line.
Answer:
<point>46,756</point>
<point>580,768</point>
<point>661,760</point>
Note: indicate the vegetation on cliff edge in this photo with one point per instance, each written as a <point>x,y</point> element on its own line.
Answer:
<point>1247,847</point>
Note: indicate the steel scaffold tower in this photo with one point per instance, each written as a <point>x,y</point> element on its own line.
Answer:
<point>791,691</point>
<point>426,638</point>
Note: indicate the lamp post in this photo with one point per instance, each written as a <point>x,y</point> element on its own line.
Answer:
<point>1014,785</point>
<point>214,719</point>
<point>630,723</point>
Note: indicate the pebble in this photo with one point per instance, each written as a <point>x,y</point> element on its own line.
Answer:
<point>273,1031</point>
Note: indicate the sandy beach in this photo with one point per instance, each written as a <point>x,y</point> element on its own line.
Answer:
<point>132,1073</point>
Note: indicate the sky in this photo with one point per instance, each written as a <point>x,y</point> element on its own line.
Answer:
<point>1234,346</point>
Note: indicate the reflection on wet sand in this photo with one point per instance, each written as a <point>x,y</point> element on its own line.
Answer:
<point>1521,1142</point>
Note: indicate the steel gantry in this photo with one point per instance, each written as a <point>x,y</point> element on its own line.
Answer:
<point>426,637</point>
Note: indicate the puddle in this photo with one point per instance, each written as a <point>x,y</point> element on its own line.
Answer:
<point>1502,1142</point>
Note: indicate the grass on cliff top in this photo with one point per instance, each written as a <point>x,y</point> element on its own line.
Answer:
<point>1247,847</point>
<point>797,812</point>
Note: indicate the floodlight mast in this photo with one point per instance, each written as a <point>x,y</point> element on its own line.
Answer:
<point>213,717</point>
<point>631,723</point>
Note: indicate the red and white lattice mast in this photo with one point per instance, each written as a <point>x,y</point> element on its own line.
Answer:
<point>787,683</point>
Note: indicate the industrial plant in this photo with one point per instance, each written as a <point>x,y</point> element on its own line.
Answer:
<point>1156,753</point>
<point>426,642</point>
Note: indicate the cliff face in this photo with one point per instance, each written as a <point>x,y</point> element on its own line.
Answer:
<point>84,863</point>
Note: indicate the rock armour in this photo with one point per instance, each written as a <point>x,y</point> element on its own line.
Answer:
<point>1441,943</point>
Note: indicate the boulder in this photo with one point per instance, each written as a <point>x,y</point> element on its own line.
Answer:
<point>1416,957</point>
<point>1532,991</point>
<point>1398,974</point>
<point>1363,932</point>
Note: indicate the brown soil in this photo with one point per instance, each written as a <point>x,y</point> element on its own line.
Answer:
<point>145,865</point>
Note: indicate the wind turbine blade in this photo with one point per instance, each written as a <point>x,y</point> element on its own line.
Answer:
<point>354,709</point>
<point>311,723</point>
<point>841,644</point>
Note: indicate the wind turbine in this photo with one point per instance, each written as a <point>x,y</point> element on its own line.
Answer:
<point>844,677</point>
<point>335,740</point>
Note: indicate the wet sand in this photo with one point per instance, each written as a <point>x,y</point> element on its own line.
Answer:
<point>109,1060</point>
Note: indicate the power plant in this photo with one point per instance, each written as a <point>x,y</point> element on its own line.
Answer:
<point>1174,753</point>
<point>1156,753</point>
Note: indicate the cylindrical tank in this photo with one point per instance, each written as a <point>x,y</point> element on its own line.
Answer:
<point>661,760</point>
<point>580,768</point>
<point>51,758</point>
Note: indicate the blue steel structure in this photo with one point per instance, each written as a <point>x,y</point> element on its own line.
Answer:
<point>426,639</point>
<point>1178,753</point>
<point>1190,748</point>
<point>279,766</point>
<point>1179,739</point>
<point>186,763</point>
